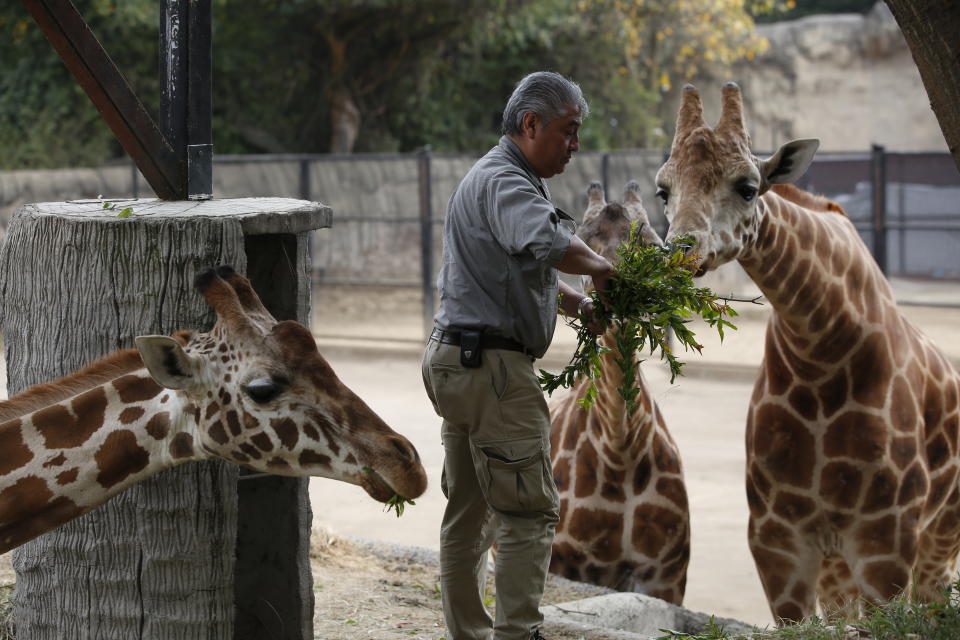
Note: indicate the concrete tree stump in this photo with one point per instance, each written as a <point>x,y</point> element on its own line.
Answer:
<point>194,552</point>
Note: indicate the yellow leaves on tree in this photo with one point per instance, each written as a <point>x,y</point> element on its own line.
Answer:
<point>668,41</point>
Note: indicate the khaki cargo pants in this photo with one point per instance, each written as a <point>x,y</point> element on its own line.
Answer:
<point>499,488</point>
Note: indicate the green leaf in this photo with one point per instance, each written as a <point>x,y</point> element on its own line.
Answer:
<point>126,212</point>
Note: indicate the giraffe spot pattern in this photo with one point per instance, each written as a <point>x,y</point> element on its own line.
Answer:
<point>775,535</point>
<point>233,423</point>
<point>158,426</point>
<point>312,458</point>
<point>181,446</point>
<point>870,368</point>
<point>119,457</point>
<point>586,464</point>
<point>55,461</point>
<point>30,509</point>
<point>132,388</point>
<point>913,485</point>
<point>888,578</point>
<point>15,451</point>
<point>601,529</point>
<point>63,429</point>
<point>286,430</point>
<point>262,441</point>
<point>653,526</point>
<point>68,476</point>
<point>218,432</point>
<point>251,451</point>
<point>131,415</point>
<point>858,435</point>
<point>784,444</point>
<point>793,507</point>
<point>840,484</point>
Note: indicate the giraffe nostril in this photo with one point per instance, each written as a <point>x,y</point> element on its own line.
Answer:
<point>405,449</point>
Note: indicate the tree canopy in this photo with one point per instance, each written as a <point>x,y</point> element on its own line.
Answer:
<point>315,76</point>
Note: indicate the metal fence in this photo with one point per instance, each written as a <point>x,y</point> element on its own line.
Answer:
<point>389,208</point>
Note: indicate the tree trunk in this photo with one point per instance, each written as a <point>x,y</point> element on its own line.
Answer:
<point>157,561</point>
<point>344,122</point>
<point>932,31</point>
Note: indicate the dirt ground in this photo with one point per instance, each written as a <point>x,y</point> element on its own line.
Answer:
<point>375,591</point>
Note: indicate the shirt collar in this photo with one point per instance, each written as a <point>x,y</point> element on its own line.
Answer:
<point>520,160</point>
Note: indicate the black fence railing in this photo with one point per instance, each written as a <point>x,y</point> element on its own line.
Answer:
<point>389,208</point>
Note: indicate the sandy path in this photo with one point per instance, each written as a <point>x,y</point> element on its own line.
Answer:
<point>721,579</point>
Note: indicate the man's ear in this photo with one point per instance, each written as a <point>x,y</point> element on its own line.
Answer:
<point>166,361</point>
<point>528,124</point>
<point>789,162</point>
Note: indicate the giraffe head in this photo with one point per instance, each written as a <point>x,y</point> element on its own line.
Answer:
<point>712,182</point>
<point>606,225</point>
<point>261,395</point>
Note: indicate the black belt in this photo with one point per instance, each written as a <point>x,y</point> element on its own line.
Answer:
<point>486,342</point>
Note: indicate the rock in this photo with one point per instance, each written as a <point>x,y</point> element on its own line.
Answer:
<point>637,614</point>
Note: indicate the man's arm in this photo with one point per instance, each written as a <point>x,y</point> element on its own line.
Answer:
<point>582,260</point>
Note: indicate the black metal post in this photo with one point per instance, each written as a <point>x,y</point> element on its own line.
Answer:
<point>306,187</point>
<point>186,91</point>
<point>426,237</point>
<point>878,198</point>
<point>605,172</point>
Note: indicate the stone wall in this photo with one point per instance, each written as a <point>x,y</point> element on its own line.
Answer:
<point>848,79</point>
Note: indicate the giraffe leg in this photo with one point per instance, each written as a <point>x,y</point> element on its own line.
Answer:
<point>788,569</point>
<point>883,553</point>
<point>937,556</point>
<point>837,591</point>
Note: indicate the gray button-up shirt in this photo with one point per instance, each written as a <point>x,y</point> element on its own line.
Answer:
<point>502,241</point>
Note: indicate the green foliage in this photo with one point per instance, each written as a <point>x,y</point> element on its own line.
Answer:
<point>899,619</point>
<point>46,119</point>
<point>411,72</point>
<point>651,295</point>
<point>397,503</point>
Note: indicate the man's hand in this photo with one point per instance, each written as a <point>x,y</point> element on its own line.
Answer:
<point>588,317</point>
<point>577,305</point>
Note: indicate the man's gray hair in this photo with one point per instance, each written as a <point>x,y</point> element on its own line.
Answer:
<point>547,94</point>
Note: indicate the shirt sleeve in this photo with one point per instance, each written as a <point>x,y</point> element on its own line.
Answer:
<point>522,220</point>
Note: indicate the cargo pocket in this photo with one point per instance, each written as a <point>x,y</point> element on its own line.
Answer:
<point>514,475</point>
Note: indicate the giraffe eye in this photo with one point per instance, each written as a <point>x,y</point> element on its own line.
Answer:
<point>263,390</point>
<point>663,194</point>
<point>747,191</point>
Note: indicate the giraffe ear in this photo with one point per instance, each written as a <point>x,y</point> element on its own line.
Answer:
<point>166,361</point>
<point>789,162</point>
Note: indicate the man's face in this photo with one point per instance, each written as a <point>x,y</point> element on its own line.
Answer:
<point>549,146</point>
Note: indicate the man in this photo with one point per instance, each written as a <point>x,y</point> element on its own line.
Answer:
<point>503,244</point>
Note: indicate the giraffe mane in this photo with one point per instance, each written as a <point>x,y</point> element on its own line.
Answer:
<point>92,375</point>
<point>806,199</point>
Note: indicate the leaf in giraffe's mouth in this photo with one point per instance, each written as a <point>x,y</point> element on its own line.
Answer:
<point>380,490</point>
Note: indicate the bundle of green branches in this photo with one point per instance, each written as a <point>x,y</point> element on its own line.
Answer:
<point>651,294</point>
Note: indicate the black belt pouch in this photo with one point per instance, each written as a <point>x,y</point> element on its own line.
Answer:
<point>470,348</point>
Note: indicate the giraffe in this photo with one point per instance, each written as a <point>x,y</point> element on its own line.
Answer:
<point>851,438</point>
<point>252,391</point>
<point>624,521</point>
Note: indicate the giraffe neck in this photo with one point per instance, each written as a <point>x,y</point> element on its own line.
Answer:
<point>60,461</point>
<point>820,279</point>
<point>624,432</point>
